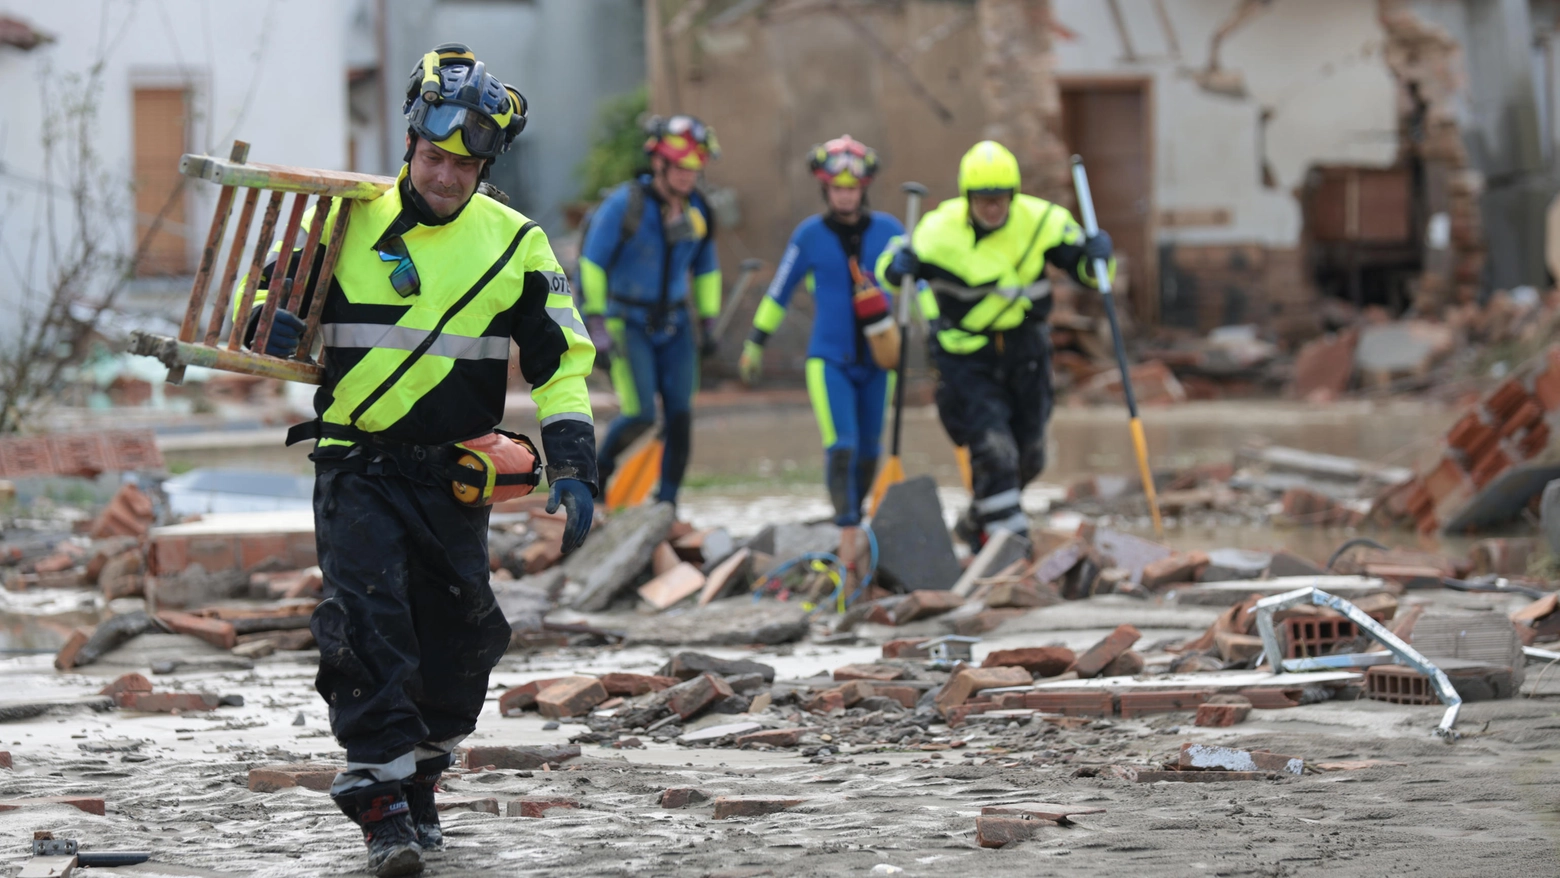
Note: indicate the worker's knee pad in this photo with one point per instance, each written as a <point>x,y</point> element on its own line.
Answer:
<point>839,471</point>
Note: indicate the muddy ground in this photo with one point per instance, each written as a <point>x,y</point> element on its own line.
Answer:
<point>176,785</point>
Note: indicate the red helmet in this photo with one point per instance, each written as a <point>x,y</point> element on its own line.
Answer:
<point>843,162</point>
<point>682,140</point>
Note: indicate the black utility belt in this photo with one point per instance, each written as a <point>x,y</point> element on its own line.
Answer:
<point>440,459</point>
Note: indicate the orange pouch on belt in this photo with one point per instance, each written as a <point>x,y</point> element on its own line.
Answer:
<point>505,466</point>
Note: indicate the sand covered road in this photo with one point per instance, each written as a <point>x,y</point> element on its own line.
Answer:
<point>176,785</point>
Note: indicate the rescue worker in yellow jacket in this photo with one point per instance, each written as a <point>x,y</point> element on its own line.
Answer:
<point>433,282</point>
<point>983,259</point>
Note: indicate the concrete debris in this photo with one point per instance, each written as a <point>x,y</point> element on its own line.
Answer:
<point>915,548</point>
<point>616,555</point>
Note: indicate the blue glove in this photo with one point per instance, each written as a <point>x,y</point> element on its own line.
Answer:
<point>905,264</point>
<point>286,332</point>
<point>596,327</point>
<point>1097,246</point>
<point>575,497</point>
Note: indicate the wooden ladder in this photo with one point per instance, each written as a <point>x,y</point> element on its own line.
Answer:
<point>194,348</point>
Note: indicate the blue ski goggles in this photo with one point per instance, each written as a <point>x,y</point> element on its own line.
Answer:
<point>479,134</point>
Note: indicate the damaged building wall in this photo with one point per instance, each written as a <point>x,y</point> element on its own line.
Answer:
<point>1298,84</point>
<point>901,77</point>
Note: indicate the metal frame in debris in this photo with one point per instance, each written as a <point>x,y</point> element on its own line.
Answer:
<point>1397,650</point>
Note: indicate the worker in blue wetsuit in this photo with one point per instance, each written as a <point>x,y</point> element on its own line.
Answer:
<point>847,369</point>
<point>648,248</point>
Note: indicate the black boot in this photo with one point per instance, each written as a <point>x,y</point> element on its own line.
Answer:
<point>382,812</point>
<point>419,789</point>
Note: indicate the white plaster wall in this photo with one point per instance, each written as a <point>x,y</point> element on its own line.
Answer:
<point>271,72</point>
<point>1316,63</point>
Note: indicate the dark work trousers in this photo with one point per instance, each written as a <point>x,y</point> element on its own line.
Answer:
<point>409,629</point>
<point>997,402</point>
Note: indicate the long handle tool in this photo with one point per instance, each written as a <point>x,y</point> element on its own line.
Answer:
<point>1102,279</point>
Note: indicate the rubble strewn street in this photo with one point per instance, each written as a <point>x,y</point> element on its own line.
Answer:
<point>1033,438</point>
<point>1079,671</point>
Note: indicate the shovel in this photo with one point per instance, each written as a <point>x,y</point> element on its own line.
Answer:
<point>1102,278</point>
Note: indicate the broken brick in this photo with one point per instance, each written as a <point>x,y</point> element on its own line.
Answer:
<point>877,673</point>
<point>1041,661</point>
<point>214,631</point>
<point>1085,703</point>
<point>996,832</point>
<point>688,698</point>
<point>1234,647</point>
<point>1223,711</point>
<point>1128,664</point>
<point>751,806</point>
<point>169,702</point>
<point>773,737</point>
<point>570,696</point>
<point>1180,567</point>
<point>904,648</point>
<point>82,803</point>
<point>5,759</point>
<point>967,682</point>
<point>1143,703</point>
<point>1272,698</point>
<point>682,580</point>
<point>907,696</point>
<point>270,778</point>
<point>825,702</point>
<point>1207,756</point>
<point>682,797</point>
<point>512,758</point>
<point>65,659</point>
<point>1103,653</point>
<point>636,684</point>
<point>523,697</point>
<point>536,806</point>
<point>922,603</point>
<point>125,685</point>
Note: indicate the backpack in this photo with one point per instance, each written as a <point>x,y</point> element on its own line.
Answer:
<point>633,214</point>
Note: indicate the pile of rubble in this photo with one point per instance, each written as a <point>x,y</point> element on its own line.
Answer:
<point>1259,485</point>
<point>1494,461</point>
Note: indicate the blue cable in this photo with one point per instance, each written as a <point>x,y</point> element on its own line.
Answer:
<point>872,566</point>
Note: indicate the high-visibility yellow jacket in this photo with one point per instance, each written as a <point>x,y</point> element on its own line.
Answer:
<point>981,283</point>
<point>433,368</point>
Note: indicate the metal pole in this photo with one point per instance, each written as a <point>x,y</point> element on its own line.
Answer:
<point>1102,280</point>
<point>914,192</point>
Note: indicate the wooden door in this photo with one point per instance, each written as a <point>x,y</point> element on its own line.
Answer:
<point>160,136</point>
<point>1107,122</point>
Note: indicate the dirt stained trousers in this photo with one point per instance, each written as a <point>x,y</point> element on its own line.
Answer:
<point>997,402</point>
<point>409,628</point>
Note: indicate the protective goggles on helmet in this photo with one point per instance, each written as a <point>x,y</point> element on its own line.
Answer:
<point>479,134</point>
<point>453,102</point>
<point>843,162</point>
<point>684,141</point>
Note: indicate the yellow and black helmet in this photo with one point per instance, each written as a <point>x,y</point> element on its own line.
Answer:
<point>453,102</point>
